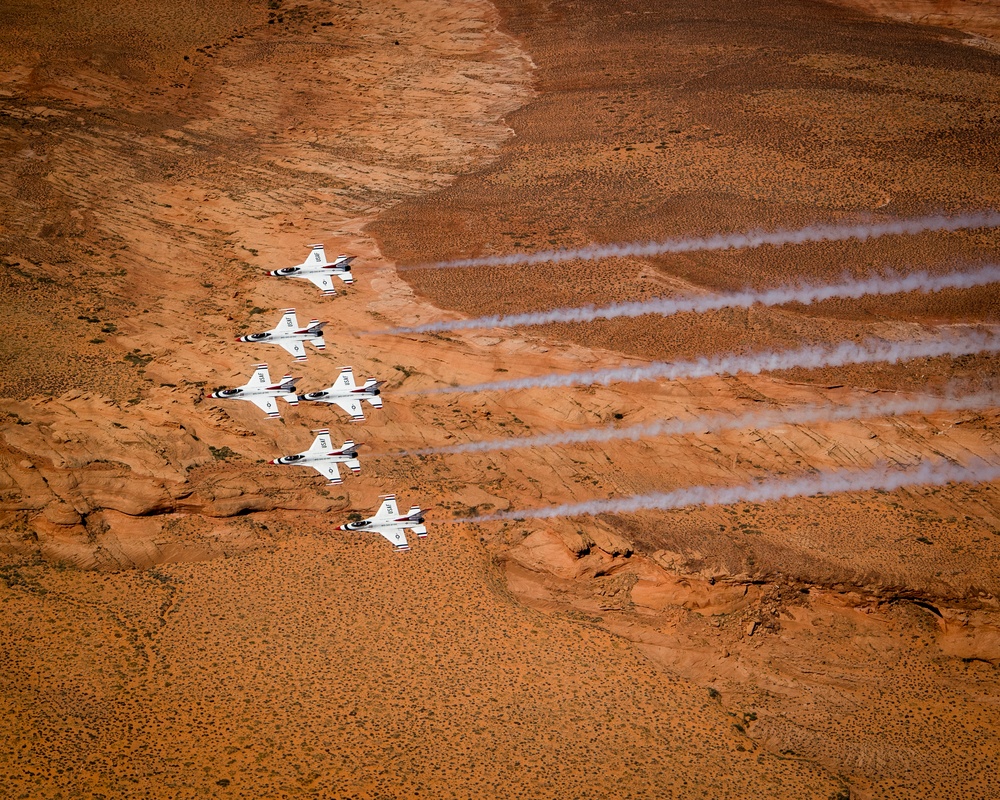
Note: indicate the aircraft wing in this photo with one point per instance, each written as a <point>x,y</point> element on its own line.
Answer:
<point>269,405</point>
<point>352,407</point>
<point>388,510</point>
<point>420,530</point>
<point>295,347</point>
<point>329,471</point>
<point>395,536</point>
<point>324,282</point>
<point>261,377</point>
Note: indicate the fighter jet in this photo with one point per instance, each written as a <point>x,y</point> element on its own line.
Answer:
<point>348,395</point>
<point>324,459</point>
<point>318,270</point>
<point>289,335</point>
<point>260,391</point>
<point>391,524</point>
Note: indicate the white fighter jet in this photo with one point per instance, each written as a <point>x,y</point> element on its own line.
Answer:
<point>289,335</point>
<point>348,395</point>
<point>391,524</point>
<point>320,271</point>
<point>261,392</point>
<point>324,459</point>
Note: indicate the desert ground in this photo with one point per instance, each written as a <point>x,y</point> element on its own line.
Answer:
<point>181,618</point>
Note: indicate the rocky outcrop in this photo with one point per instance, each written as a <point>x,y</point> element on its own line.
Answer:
<point>81,475</point>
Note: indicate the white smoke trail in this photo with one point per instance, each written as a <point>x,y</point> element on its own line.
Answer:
<point>930,473</point>
<point>810,357</point>
<point>803,293</point>
<point>803,415</point>
<point>733,241</point>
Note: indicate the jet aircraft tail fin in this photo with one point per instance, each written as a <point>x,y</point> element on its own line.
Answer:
<point>415,515</point>
<point>345,275</point>
<point>372,388</point>
<point>288,385</point>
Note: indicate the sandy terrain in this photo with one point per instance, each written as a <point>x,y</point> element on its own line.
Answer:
<point>981,18</point>
<point>158,163</point>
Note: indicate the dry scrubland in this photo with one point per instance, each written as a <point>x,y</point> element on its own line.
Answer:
<point>158,161</point>
<point>737,119</point>
<point>733,119</point>
<point>326,679</point>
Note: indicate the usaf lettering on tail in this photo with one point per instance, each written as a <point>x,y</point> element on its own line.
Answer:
<point>348,395</point>
<point>324,459</point>
<point>289,335</point>
<point>319,271</point>
<point>391,524</point>
<point>261,392</point>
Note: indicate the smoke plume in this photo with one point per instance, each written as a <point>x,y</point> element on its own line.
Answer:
<point>733,241</point>
<point>802,293</point>
<point>929,473</point>
<point>803,415</point>
<point>811,357</point>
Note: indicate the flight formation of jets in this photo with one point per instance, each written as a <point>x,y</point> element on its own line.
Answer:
<point>344,392</point>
